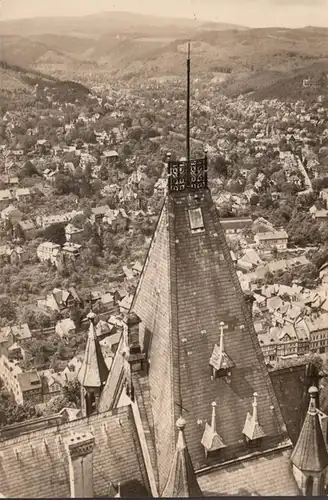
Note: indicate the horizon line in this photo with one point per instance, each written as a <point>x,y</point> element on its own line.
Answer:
<point>159,16</point>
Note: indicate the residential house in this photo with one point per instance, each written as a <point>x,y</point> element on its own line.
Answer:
<point>5,197</point>
<point>12,255</point>
<point>109,157</point>
<point>17,352</point>
<point>128,273</point>
<point>18,152</point>
<point>23,194</point>
<point>249,260</point>
<point>21,332</point>
<point>50,175</point>
<point>48,251</point>
<point>12,214</point>
<point>73,234</point>
<point>118,220</point>
<point>137,268</point>
<point>236,225</point>
<point>30,386</point>
<point>324,196</point>
<point>317,330</point>
<point>107,303</point>
<point>104,329</point>
<point>43,146</point>
<point>70,414</point>
<point>51,384</point>
<point>110,344</point>
<point>71,250</point>
<point>6,340</point>
<point>160,186</point>
<point>125,304</point>
<point>65,328</point>
<point>25,386</point>
<point>46,221</point>
<point>271,240</point>
<point>59,301</point>
<point>69,167</point>
<point>17,254</point>
<point>28,229</point>
<point>13,181</point>
<point>98,213</point>
<point>321,215</point>
<point>261,225</point>
<point>4,254</point>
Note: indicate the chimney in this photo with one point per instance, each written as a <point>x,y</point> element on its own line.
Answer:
<point>249,299</point>
<point>132,321</point>
<point>135,357</point>
<point>79,447</point>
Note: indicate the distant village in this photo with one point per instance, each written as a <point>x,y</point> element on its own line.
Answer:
<point>290,321</point>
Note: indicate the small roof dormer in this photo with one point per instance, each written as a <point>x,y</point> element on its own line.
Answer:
<point>211,439</point>
<point>220,360</point>
<point>252,428</point>
<point>118,494</point>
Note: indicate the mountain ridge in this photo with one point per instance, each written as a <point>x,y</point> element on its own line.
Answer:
<point>105,22</point>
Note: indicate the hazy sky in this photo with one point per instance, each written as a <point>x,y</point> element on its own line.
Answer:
<point>289,13</point>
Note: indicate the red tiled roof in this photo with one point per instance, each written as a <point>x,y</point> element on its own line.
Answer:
<point>187,287</point>
<point>35,465</point>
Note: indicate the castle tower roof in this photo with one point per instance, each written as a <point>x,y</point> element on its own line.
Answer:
<point>188,287</point>
<point>310,452</point>
<point>182,481</point>
<point>93,372</point>
<point>187,294</point>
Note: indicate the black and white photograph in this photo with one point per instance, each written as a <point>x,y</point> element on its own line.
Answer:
<point>163,248</point>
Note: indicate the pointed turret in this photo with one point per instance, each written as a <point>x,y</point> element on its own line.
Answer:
<point>93,372</point>
<point>182,481</point>
<point>252,429</point>
<point>310,453</point>
<point>310,457</point>
<point>211,439</point>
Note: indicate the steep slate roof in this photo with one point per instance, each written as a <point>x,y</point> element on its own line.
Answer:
<point>36,465</point>
<point>290,387</point>
<point>182,480</point>
<point>266,475</point>
<point>187,287</point>
<point>94,371</point>
<point>310,453</point>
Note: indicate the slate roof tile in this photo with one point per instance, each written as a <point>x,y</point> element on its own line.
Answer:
<point>185,289</point>
<point>40,462</point>
<point>266,475</point>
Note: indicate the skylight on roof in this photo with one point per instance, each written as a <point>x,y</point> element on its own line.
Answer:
<point>196,220</point>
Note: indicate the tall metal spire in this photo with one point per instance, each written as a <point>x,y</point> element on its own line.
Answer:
<point>188,103</point>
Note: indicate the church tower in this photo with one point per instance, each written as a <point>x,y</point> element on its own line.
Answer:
<point>310,457</point>
<point>197,338</point>
<point>93,373</point>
